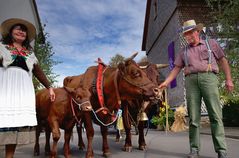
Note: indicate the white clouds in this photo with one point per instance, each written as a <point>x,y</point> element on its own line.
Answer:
<point>81,31</point>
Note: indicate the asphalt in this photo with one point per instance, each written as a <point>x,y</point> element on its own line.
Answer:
<point>230,132</point>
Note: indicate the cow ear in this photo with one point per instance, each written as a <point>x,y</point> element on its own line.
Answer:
<point>67,80</point>
<point>122,68</point>
<point>69,90</point>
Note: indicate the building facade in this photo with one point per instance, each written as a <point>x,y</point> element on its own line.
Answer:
<point>162,40</point>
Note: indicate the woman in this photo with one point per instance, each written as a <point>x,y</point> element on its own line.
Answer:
<point>17,96</point>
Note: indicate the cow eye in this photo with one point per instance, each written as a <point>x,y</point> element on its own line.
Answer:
<point>135,74</point>
<point>78,97</point>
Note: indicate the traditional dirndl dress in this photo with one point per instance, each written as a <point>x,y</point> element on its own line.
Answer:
<point>17,101</point>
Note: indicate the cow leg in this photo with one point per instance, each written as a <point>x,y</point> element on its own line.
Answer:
<point>128,142</point>
<point>105,146</point>
<point>117,139</point>
<point>47,145</point>
<point>67,138</point>
<point>37,146</point>
<point>55,136</point>
<point>89,133</point>
<point>81,144</point>
<point>127,126</point>
<point>141,140</point>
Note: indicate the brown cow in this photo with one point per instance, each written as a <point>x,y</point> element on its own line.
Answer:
<point>135,107</point>
<point>127,82</point>
<point>62,113</point>
<point>74,82</point>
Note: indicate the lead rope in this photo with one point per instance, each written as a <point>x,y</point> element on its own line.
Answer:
<point>119,113</point>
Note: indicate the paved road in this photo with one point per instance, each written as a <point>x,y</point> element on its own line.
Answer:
<point>160,145</point>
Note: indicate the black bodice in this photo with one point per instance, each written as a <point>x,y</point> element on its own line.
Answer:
<point>20,62</point>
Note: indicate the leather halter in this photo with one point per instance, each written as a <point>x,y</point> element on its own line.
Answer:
<point>73,111</point>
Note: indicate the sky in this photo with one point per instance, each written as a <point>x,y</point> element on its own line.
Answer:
<point>80,31</point>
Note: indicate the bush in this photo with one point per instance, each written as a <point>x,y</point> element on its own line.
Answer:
<point>160,119</point>
<point>231,113</point>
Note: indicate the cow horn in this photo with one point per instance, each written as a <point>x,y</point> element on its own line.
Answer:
<point>162,65</point>
<point>143,67</point>
<point>132,56</point>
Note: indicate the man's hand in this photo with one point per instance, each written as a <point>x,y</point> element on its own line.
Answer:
<point>229,85</point>
<point>163,85</point>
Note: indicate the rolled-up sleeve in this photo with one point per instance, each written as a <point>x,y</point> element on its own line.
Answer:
<point>179,60</point>
<point>216,49</point>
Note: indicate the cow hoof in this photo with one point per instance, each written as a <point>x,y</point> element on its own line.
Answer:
<point>89,155</point>
<point>36,154</point>
<point>47,153</point>
<point>82,147</point>
<point>106,154</point>
<point>127,149</point>
<point>142,147</point>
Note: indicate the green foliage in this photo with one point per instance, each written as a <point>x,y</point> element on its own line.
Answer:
<point>44,54</point>
<point>225,13</point>
<point>233,59</point>
<point>230,113</point>
<point>226,16</point>
<point>114,61</point>
<point>161,118</point>
<point>155,120</point>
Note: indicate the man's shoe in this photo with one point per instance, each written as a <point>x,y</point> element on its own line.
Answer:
<point>193,154</point>
<point>222,155</point>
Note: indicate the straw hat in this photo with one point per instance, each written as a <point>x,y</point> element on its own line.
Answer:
<point>7,24</point>
<point>191,25</point>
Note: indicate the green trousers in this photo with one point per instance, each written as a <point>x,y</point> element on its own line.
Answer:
<point>198,86</point>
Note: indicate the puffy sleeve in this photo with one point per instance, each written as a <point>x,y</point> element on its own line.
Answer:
<point>31,60</point>
<point>5,55</point>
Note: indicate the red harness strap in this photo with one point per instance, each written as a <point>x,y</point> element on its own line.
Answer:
<point>99,84</point>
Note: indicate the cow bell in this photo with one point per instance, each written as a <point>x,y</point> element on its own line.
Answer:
<point>143,117</point>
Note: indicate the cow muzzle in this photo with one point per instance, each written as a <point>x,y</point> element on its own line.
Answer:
<point>85,106</point>
<point>158,93</point>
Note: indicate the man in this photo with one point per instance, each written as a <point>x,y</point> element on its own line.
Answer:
<point>199,60</point>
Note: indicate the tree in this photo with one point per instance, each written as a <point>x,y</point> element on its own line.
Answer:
<point>114,61</point>
<point>227,17</point>
<point>44,54</point>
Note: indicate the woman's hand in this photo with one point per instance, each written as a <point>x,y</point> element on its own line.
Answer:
<point>52,94</point>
